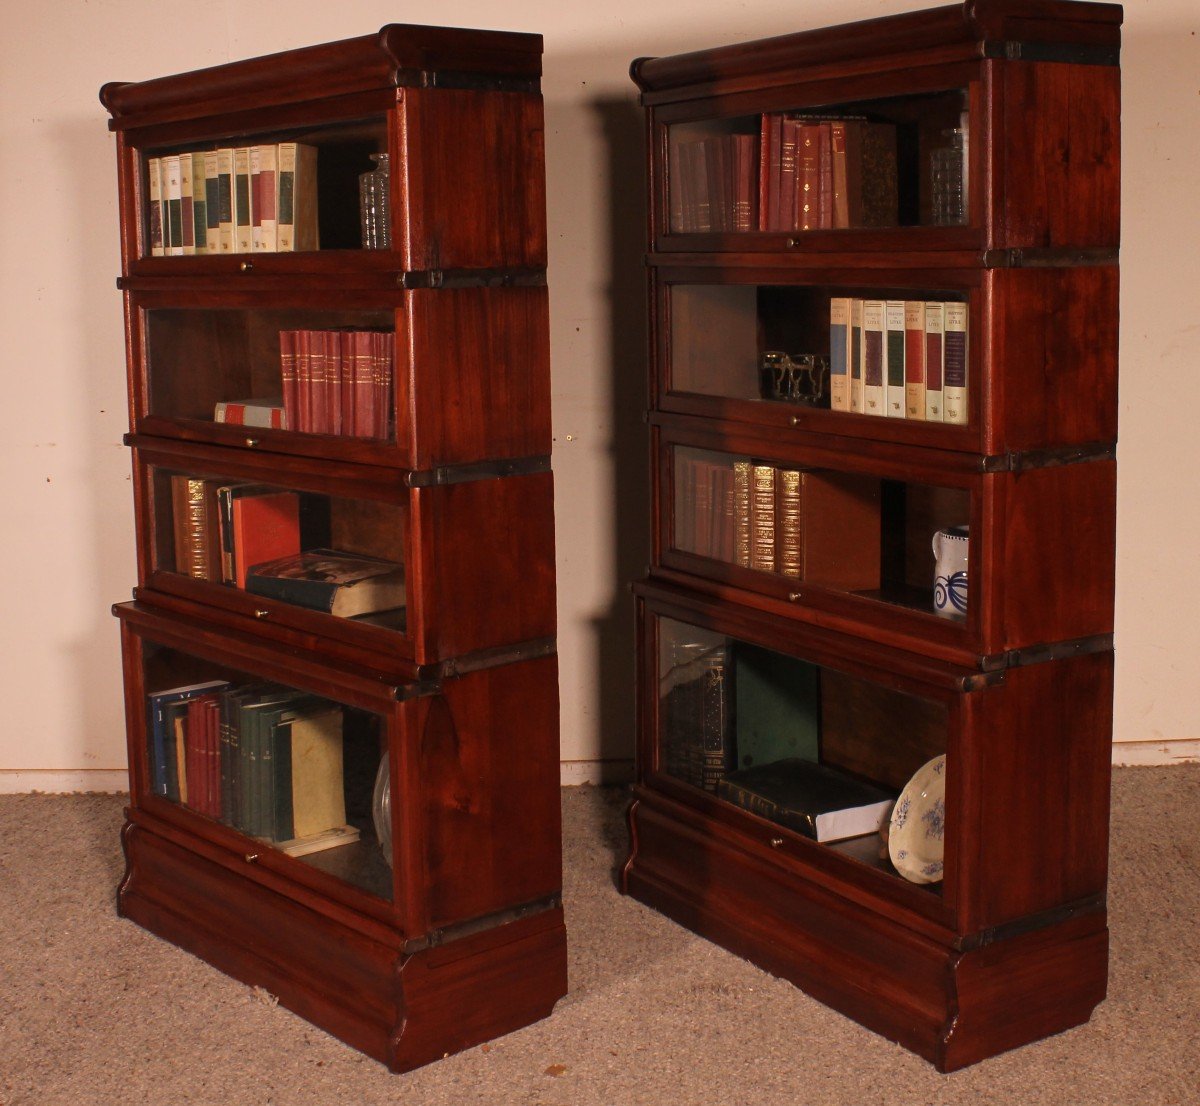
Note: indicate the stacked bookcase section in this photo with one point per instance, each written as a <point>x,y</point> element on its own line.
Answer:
<point>875,675</point>
<point>340,670</point>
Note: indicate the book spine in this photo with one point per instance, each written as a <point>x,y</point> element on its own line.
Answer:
<point>702,516</point>
<point>825,176</point>
<point>790,524</point>
<point>304,387</point>
<point>762,519</point>
<point>212,203</point>
<point>675,206</point>
<point>284,822</point>
<point>935,328</point>
<point>191,522</point>
<point>264,173</point>
<point>914,359</point>
<point>893,353</point>
<point>318,358</point>
<point>857,399</point>
<point>745,203</point>
<point>228,759</point>
<point>172,207</point>
<point>808,176</point>
<point>841,199</point>
<point>288,378</point>
<point>743,545</point>
<point>243,211</point>
<point>787,174</point>
<point>154,197</point>
<point>334,343</point>
<point>775,173</point>
<point>715,721</point>
<point>839,354</point>
<point>954,384</point>
<point>199,203</point>
<point>187,206</point>
<point>874,401</point>
<point>226,238</point>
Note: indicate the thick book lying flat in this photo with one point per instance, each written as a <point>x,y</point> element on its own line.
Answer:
<point>812,799</point>
<point>343,584</point>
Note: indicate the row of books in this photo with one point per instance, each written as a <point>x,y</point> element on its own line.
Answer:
<point>334,382</point>
<point>264,759</point>
<point>899,358</point>
<point>805,524</point>
<point>249,536</point>
<point>243,199</point>
<point>743,723</point>
<point>799,173</point>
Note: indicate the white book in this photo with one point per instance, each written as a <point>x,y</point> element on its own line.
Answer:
<point>243,202</point>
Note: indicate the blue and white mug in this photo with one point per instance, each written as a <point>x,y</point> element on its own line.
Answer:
<point>950,572</point>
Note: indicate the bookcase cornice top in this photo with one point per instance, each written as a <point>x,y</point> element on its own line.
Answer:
<point>398,55</point>
<point>1022,29</point>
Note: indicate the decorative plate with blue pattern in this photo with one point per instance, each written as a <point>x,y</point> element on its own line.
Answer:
<point>916,836</point>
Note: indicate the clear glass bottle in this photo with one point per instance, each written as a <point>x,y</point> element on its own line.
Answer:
<point>947,174</point>
<point>375,206</point>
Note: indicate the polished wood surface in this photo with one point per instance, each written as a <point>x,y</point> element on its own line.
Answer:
<point>457,936</point>
<point>1011,945</point>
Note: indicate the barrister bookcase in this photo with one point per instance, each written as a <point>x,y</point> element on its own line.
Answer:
<point>805,191</point>
<point>340,668</point>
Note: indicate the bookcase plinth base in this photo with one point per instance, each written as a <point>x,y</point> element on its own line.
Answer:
<point>949,1006</point>
<point>404,1010</point>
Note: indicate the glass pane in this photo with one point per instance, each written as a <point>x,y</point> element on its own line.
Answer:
<point>893,162</point>
<point>326,372</point>
<point>284,192</point>
<point>820,753</point>
<point>344,557</point>
<point>295,771</point>
<point>877,351</point>
<point>895,542</point>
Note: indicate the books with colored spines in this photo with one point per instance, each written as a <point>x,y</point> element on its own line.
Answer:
<point>697,701</point>
<point>199,204</point>
<point>257,524</point>
<point>267,413</point>
<point>243,201</point>
<point>226,236</point>
<point>212,201</point>
<point>935,324</point>
<point>172,197</point>
<point>893,354</point>
<point>161,744</point>
<point>856,356</point>
<point>337,381</point>
<point>813,799</point>
<point>264,183</point>
<point>954,381</point>
<point>331,580</point>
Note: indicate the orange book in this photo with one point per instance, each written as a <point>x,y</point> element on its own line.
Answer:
<point>265,527</point>
<point>914,359</point>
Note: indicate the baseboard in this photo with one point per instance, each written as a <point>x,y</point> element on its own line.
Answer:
<point>1173,751</point>
<point>574,773</point>
<point>54,781</point>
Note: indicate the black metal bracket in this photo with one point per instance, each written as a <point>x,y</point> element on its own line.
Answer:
<point>1027,460</point>
<point>472,278</point>
<point>1072,53</point>
<point>483,470</point>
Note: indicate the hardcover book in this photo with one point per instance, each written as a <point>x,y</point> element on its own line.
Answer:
<point>893,355</point>
<point>812,799</point>
<point>914,359</point>
<point>954,382</point>
<point>874,402</point>
<point>330,580</point>
<point>839,354</point>
<point>297,227</point>
<point>935,324</point>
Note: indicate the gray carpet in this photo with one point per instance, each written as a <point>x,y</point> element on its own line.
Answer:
<point>95,1010</point>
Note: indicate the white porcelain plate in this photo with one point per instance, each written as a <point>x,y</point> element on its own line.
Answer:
<point>918,825</point>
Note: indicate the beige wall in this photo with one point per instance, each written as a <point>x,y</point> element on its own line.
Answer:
<point>68,551</point>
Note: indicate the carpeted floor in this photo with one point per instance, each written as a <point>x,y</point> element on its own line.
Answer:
<point>95,1010</point>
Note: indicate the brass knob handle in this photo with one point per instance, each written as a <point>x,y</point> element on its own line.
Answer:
<point>793,242</point>
<point>251,442</point>
<point>795,420</point>
<point>261,612</point>
<point>776,842</point>
<point>251,858</point>
<point>246,266</point>
<point>794,596</point>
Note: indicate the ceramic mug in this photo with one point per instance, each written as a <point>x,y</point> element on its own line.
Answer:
<point>950,572</point>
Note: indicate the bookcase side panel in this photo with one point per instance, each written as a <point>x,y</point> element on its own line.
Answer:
<point>475,165</point>
<point>489,777</point>
<point>1041,744</point>
<point>480,372</point>
<point>1055,580</point>
<point>484,561</point>
<point>1053,357</point>
<point>1062,154</point>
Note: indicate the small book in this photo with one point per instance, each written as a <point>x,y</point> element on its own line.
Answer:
<point>243,202</point>
<point>160,734</point>
<point>954,379</point>
<point>914,359</point>
<point>893,357</point>
<point>762,518</point>
<point>813,799</point>
<point>226,238</point>
<point>330,580</point>
<point>935,332</point>
<point>195,526</point>
<point>187,215</point>
<point>856,357</point>
<point>297,211</point>
<point>172,196</point>
<point>267,413</point>
<point>212,202</point>
<point>839,354</point>
<point>154,196</point>
<point>199,203</point>
<point>874,401</point>
<point>264,172</point>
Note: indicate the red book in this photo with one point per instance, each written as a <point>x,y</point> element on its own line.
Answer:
<point>808,176</point>
<point>387,360</point>
<point>789,129</point>
<point>287,371</point>
<point>194,759</point>
<point>264,527</point>
<point>318,363</point>
<point>825,171</point>
<point>745,196</point>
